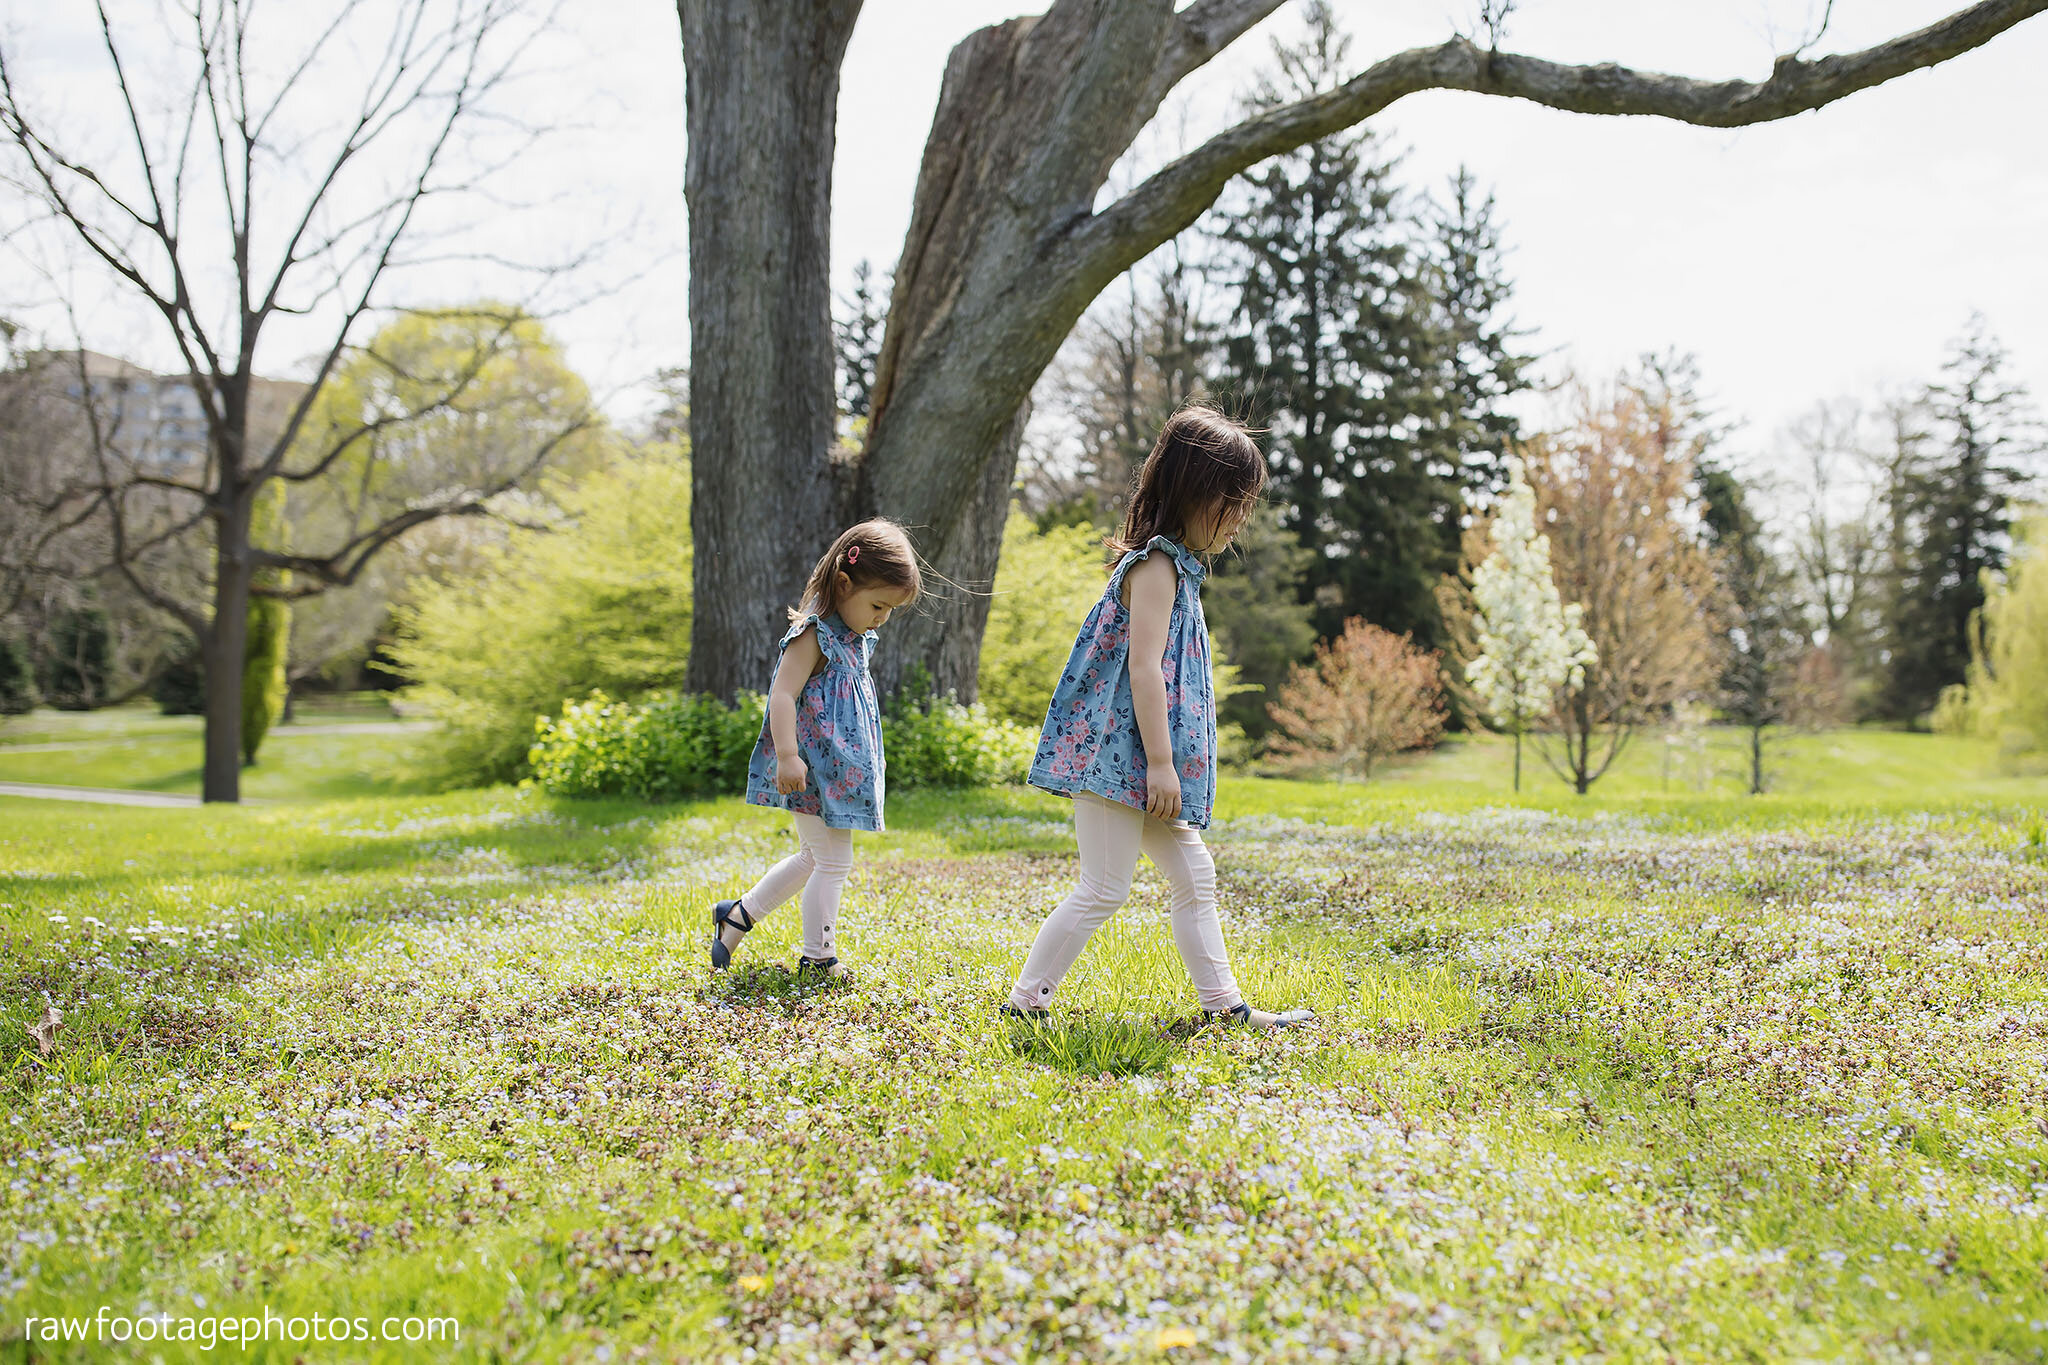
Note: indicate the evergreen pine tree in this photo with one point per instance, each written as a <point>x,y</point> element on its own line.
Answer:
<point>1329,345</point>
<point>1767,636</point>
<point>1949,495</point>
<point>1259,623</point>
<point>1479,365</point>
<point>1372,337</point>
<point>181,689</point>
<point>857,337</point>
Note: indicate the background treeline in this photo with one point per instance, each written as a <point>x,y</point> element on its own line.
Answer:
<point>1829,572</point>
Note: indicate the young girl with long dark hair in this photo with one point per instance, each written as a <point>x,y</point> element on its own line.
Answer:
<point>1131,732</point>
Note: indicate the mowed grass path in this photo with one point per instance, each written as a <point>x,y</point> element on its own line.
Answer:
<point>1706,1078</point>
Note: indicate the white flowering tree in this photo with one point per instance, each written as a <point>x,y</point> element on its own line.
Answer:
<point>1529,642</point>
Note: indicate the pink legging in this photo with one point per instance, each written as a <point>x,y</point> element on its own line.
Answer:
<point>820,866</point>
<point>1111,836</point>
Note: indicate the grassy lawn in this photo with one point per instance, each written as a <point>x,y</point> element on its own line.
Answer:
<point>312,758</point>
<point>1627,1077</point>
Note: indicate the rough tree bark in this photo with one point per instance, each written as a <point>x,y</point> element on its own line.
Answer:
<point>1006,248</point>
<point>762,97</point>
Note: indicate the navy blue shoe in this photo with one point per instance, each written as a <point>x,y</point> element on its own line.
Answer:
<point>722,914</point>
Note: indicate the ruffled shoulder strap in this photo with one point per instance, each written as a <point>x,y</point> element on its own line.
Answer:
<point>796,628</point>
<point>1183,560</point>
<point>835,641</point>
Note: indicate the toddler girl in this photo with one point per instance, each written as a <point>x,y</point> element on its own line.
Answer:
<point>1131,732</point>
<point>820,752</point>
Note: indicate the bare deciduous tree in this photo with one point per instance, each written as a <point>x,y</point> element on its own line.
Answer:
<point>1006,249</point>
<point>1131,363</point>
<point>231,205</point>
<point>1613,494</point>
<point>1834,543</point>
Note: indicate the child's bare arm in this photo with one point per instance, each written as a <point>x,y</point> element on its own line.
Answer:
<point>1151,583</point>
<point>799,661</point>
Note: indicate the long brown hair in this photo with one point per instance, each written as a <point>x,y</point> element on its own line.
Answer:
<point>1202,460</point>
<point>876,553</point>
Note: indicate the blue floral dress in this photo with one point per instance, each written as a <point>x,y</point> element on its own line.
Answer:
<point>838,734</point>
<point>1091,742</point>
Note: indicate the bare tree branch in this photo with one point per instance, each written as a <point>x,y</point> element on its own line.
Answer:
<point>159,227</point>
<point>478,359</point>
<point>1104,245</point>
<point>344,565</point>
<point>473,85</point>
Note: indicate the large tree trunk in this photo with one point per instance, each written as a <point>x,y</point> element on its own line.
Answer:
<point>762,99</point>
<point>1032,114</point>
<point>943,637</point>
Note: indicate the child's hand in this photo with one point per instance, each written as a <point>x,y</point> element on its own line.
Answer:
<point>790,774</point>
<point>1162,790</point>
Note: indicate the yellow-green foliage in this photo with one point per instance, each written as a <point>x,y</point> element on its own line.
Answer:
<point>2004,699</point>
<point>267,649</point>
<point>602,601</point>
<point>263,671</point>
<point>467,397</point>
<point>1045,585</point>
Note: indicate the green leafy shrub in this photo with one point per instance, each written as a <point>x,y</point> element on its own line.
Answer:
<point>939,742</point>
<point>598,602</point>
<point>672,746</point>
<point>2003,698</point>
<point>181,690</point>
<point>17,680</point>
<point>668,747</point>
<point>264,683</point>
<point>1046,582</point>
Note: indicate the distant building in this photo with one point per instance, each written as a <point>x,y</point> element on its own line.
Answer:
<point>149,420</point>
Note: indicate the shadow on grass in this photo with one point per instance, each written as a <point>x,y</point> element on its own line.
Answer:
<point>769,984</point>
<point>1102,1044</point>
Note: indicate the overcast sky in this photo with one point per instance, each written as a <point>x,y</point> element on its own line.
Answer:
<point>1833,253</point>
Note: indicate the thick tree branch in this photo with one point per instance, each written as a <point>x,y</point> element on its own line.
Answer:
<point>1106,244</point>
<point>1201,31</point>
<point>344,565</point>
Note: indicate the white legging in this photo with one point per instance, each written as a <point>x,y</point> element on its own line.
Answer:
<point>1111,836</point>
<point>820,866</point>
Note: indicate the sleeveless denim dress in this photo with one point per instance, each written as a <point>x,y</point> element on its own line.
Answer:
<point>838,734</point>
<point>1090,741</point>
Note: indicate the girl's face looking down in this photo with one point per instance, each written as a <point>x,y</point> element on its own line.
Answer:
<point>866,609</point>
<point>1212,529</point>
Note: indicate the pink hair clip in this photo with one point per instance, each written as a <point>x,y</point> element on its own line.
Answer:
<point>853,555</point>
